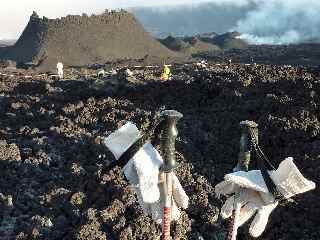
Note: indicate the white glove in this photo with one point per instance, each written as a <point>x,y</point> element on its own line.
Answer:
<point>254,194</point>
<point>142,171</point>
<point>155,210</point>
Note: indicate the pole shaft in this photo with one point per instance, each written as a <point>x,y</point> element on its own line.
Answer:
<point>168,137</point>
<point>243,165</point>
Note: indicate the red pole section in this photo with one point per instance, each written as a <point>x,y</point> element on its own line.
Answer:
<point>166,223</point>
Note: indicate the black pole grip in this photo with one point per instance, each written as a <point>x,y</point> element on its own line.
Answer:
<point>168,137</point>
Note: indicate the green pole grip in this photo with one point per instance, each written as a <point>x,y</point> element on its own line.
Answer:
<point>245,144</point>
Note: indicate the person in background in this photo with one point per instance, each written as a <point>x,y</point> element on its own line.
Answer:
<point>166,74</point>
<point>60,69</point>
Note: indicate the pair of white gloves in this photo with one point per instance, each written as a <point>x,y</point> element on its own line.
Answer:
<point>143,173</point>
<point>252,198</point>
<point>248,194</point>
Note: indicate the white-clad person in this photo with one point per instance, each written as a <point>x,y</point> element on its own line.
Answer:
<point>60,69</point>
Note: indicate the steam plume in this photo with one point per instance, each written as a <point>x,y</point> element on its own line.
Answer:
<point>281,22</point>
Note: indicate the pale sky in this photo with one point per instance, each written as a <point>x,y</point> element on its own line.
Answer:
<point>14,14</point>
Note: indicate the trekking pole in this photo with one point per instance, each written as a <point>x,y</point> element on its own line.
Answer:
<point>167,142</point>
<point>243,165</point>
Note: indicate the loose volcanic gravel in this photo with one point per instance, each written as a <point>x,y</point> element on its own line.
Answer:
<point>51,154</point>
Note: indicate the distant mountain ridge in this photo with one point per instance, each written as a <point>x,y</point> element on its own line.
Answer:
<point>205,42</point>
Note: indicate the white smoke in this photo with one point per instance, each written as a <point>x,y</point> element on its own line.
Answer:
<point>291,36</point>
<point>266,21</point>
<point>281,22</point>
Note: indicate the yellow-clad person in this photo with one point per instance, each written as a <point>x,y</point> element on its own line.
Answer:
<point>166,74</point>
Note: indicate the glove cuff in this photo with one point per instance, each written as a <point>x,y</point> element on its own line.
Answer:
<point>119,141</point>
<point>289,180</point>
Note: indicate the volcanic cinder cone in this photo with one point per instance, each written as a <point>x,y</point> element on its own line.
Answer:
<point>80,40</point>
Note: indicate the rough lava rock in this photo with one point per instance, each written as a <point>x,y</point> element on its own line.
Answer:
<point>52,159</point>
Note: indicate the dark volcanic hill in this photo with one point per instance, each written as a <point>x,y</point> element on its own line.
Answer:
<point>174,43</point>
<point>80,40</point>
<point>229,40</point>
<point>189,45</point>
<point>206,42</point>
